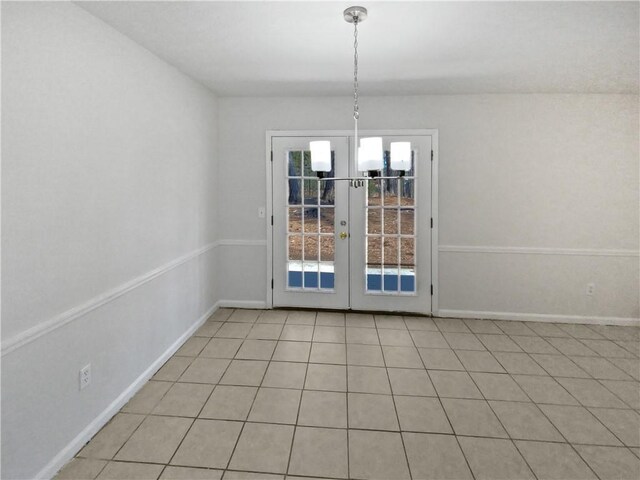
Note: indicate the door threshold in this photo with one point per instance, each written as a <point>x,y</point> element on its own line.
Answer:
<point>371,312</point>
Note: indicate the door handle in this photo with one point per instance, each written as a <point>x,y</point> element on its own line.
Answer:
<point>343,235</point>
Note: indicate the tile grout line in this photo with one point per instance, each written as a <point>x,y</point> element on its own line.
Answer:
<point>393,398</point>
<point>244,423</point>
<point>147,414</point>
<point>346,395</point>
<point>543,414</point>
<point>540,410</point>
<point>304,380</point>
<point>509,438</point>
<point>580,404</point>
<point>473,475</point>
<point>205,402</point>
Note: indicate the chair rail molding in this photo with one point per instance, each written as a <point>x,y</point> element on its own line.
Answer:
<point>587,252</point>
<point>74,313</point>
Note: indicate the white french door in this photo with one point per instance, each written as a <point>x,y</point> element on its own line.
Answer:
<point>340,247</point>
<point>310,226</point>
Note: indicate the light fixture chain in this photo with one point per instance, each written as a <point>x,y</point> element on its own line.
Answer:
<point>356,113</point>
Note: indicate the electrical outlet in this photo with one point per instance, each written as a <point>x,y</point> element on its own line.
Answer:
<point>85,376</point>
<point>591,288</point>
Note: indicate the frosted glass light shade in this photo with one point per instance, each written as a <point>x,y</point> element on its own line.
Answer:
<point>401,156</point>
<point>370,154</point>
<point>320,155</point>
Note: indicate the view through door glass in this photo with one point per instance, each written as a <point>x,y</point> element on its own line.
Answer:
<point>310,221</point>
<point>310,256</point>
<point>390,238</point>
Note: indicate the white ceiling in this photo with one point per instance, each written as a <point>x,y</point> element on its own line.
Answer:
<point>306,48</point>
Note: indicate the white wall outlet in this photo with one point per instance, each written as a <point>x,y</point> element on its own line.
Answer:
<point>591,288</point>
<point>85,376</point>
<point>261,212</point>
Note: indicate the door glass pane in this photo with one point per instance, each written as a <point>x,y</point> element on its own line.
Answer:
<point>408,265</point>
<point>294,165</point>
<point>407,192</point>
<point>374,264</point>
<point>407,249</point>
<point>390,220</point>
<point>390,270</point>
<point>373,192</point>
<point>374,250</point>
<point>310,220</point>
<point>308,172</point>
<point>310,247</point>
<point>295,194</point>
<point>391,251</point>
<point>390,192</point>
<point>295,247</point>
<point>327,248</point>
<point>327,192</point>
<point>326,276</point>
<point>374,220</point>
<point>327,220</point>
<point>295,219</point>
<point>328,187</point>
<point>407,219</point>
<point>311,192</point>
<point>311,274</point>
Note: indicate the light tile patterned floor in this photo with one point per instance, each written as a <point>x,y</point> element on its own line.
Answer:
<point>289,394</point>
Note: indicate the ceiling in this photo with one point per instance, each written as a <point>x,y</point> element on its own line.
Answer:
<point>306,48</point>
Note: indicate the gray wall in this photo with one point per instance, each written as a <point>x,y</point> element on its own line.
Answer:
<point>108,221</point>
<point>538,196</point>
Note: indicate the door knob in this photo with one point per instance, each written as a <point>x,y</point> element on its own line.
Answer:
<point>343,235</point>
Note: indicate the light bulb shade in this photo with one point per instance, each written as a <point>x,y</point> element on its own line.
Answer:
<point>401,156</point>
<point>320,155</point>
<point>370,154</point>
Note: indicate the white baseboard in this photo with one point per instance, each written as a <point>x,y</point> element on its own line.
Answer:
<point>90,430</point>
<point>537,317</point>
<point>249,304</point>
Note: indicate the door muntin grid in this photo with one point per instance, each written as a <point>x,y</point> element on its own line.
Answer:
<point>391,216</point>
<point>310,226</point>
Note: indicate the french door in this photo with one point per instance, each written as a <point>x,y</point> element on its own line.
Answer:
<point>344,247</point>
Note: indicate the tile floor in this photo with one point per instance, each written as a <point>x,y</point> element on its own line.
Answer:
<point>292,394</point>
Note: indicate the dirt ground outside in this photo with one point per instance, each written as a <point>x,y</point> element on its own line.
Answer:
<point>324,243</point>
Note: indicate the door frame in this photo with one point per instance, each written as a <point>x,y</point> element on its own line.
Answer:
<point>348,133</point>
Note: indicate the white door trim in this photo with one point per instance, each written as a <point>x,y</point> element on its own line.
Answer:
<point>347,133</point>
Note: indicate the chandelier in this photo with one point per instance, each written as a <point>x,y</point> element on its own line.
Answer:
<point>368,152</point>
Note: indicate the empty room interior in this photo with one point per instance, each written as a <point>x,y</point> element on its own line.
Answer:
<point>320,240</point>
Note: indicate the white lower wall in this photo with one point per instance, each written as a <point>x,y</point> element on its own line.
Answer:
<point>517,284</point>
<point>556,174</point>
<point>45,419</point>
<point>241,265</point>
<point>108,224</point>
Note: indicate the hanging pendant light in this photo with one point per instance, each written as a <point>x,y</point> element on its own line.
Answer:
<point>401,156</point>
<point>368,152</point>
<point>371,159</point>
<point>320,156</point>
